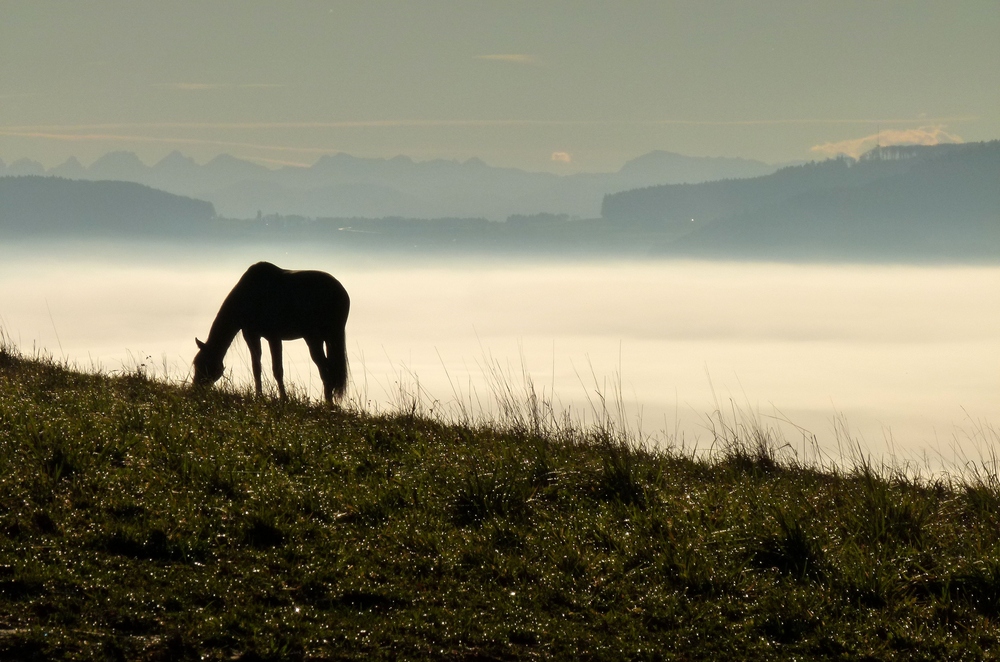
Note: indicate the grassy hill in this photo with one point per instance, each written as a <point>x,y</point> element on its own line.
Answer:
<point>142,520</point>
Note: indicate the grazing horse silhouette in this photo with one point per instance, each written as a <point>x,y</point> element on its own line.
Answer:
<point>276,304</point>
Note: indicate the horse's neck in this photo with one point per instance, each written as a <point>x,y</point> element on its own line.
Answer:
<point>224,329</point>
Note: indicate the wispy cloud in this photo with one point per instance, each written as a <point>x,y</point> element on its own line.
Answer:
<point>435,123</point>
<point>513,58</point>
<point>345,124</point>
<point>188,87</point>
<point>816,120</point>
<point>280,162</point>
<point>924,135</point>
<point>139,133</point>
<point>199,87</point>
<point>114,137</point>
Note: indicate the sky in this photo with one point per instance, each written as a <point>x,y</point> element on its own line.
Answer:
<point>560,86</point>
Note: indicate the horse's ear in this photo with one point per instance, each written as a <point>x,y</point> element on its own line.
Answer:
<point>200,344</point>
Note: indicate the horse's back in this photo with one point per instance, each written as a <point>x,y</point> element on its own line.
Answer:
<point>293,303</point>
<point>318,286</point>
<point>264,277</point>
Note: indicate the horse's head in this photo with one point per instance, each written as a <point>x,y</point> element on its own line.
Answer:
<point>208,367</point>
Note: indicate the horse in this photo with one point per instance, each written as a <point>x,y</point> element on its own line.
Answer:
<point>277,304</point>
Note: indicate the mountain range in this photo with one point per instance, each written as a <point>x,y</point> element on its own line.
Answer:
<point>895,203</point>
<point>345,186</point>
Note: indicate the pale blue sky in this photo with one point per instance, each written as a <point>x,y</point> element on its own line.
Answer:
<point>561,86</point>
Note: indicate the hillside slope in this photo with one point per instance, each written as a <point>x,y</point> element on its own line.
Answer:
<point>145,521</point>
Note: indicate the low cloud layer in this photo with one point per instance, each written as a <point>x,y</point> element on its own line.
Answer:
<point>924,135</point>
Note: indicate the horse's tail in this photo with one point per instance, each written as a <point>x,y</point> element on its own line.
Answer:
<point>337,355</point>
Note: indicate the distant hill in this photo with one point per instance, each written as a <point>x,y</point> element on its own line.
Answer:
<point>933,201</point>
<point>341,185</point>
<point>32,205</point>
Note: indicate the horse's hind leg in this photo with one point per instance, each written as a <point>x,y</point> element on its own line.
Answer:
<point>253,344</point>
<point>316,352</point>
<point>276,366</point>
<point>336,355</point>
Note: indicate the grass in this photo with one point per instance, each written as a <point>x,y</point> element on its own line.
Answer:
<point>146,521</point>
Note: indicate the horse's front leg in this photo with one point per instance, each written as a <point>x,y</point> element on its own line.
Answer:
<point>253,344</point>
<point>276,365</point>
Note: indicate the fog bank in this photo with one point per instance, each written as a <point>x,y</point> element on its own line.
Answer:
<point>907,357</point>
